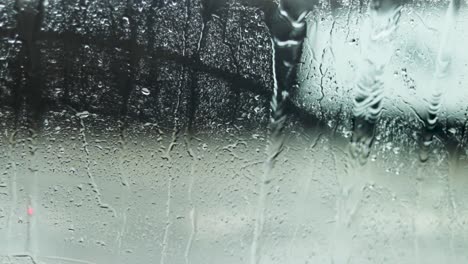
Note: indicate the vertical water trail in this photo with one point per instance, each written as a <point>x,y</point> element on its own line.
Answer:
<point>33,198</point>
<point>174,137</point>
<point>376,51</point>
<point>193,215</point>
<point>287,27</point>
<point>175,132</point>
<point>167,227</point>
<point>13,189</point>
<point>377,37</point>
<point>454,218</point>
<point>92,180</point>
<point>442,65</point>
<point>273,150</point>
<point>455,147</point>
<point>126,192</point>
<point>438,86</point>
<point>417,201</point>
<point>323,73</point>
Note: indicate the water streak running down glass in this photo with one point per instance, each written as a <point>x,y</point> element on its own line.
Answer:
<point>233,131</point>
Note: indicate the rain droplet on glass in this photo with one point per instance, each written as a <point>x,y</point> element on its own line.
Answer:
<point>145,91</point>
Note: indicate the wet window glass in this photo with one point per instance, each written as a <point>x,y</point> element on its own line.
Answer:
<point>233,131</point>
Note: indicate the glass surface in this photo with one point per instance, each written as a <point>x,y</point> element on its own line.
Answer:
<point>233,131</point>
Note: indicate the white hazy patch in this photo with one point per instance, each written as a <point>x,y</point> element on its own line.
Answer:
<point>332,55</point>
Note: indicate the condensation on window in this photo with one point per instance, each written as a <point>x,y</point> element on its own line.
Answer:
<point>233,131</point>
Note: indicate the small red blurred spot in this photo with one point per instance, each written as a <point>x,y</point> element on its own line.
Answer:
<point>30,211</point>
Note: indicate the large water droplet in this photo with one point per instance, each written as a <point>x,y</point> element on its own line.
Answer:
<point>145,91</point>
